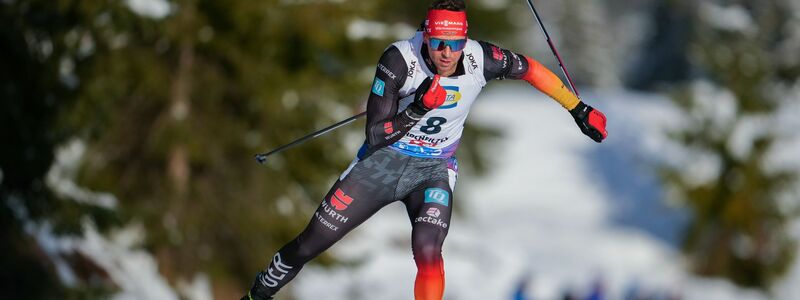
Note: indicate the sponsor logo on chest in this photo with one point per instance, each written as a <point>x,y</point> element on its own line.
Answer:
<point>472,64</point>
<point>425,141</point>
<point>453,96</point>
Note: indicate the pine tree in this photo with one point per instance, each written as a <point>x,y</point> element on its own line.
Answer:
<point>189,98</point>
<point>738,230</point>
<point>587,39</point>
<point>171,109</point>
<point>41,43</point>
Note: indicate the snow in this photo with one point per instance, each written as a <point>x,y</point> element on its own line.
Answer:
<point>790,285</point>
<point>788,48</point>
<point>718,104</point>
<point>786,157</point>
<point>198,289</point>
<point>556,208</point>
<point>52,247</point>
<point>494,4</point>
<point>150,8</point>
<point>747,130</point>
<point>135,271</point>
<point>729,18</point>
<point>61,174</point>
<point>789,144</point>
<point>132,269</point>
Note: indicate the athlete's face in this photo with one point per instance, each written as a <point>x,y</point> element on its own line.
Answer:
<point>443,57</point>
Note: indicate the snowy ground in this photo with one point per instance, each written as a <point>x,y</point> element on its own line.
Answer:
<point>557,211</point>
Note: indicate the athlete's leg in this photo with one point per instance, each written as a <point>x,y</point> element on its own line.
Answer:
<point>429,209</point>
<point>361,191</point>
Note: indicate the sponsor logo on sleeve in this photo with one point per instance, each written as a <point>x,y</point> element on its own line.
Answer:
<point>518,60</point>
<point>377,86</point>
<point>387,128</point>
<point>387,71</point>
<point>497,54</point>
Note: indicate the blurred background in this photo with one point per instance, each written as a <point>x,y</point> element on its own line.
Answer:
<point>129,128</point>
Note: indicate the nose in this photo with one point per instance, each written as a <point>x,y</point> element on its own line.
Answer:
<point>447,52</point>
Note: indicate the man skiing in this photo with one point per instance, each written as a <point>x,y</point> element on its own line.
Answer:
<point>420,97</point>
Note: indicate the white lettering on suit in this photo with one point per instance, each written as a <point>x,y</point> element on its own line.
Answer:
<point>445,124</point>
<point>270,278</point>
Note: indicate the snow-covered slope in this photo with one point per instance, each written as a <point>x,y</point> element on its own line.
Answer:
<point>556,211</point>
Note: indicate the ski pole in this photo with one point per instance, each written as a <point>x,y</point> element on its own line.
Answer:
<point>553,48</point>
<point>262,157</point>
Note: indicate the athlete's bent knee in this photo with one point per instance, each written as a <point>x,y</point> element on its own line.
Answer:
<point>427,253</point>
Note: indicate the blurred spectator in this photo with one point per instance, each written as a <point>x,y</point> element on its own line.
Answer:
<point>569,294</point>
<point>521,289</point>
<point>598,291</point>
<point>633,292</point>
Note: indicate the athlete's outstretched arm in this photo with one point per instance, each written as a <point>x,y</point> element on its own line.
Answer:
<point>501,63</point>
<point>384,125</point>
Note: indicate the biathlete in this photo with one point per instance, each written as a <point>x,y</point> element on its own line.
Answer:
<point>420,97</point>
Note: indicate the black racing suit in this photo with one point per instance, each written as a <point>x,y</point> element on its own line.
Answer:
<point>379,176</point>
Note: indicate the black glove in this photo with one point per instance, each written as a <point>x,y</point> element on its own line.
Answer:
<point>592,122</point>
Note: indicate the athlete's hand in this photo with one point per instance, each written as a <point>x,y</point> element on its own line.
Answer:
<point>429,95</point>
<point>592,122</point>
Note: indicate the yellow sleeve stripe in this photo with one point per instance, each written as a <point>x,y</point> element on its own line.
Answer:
<point>548,83</point>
